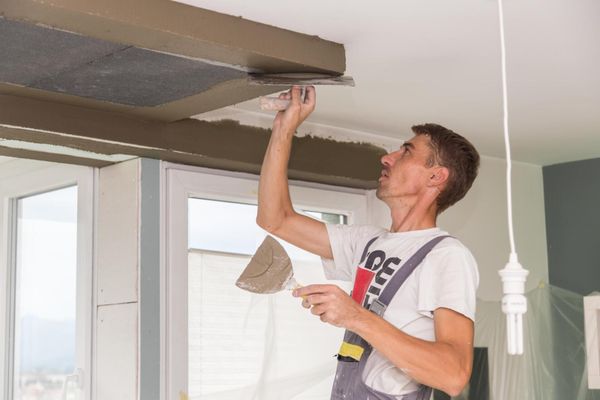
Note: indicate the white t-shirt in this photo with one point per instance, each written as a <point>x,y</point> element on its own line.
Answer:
<point>447,278</point>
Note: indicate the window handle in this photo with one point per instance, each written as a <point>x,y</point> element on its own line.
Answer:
<point>77,378</point>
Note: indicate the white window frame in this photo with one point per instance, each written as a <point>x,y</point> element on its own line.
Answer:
<point>182,182</point>
<point>27,178</point>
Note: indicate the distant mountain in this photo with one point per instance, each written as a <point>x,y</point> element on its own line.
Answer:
<point>47,346</point>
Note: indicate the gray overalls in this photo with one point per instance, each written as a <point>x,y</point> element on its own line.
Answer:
<point>348,383</point>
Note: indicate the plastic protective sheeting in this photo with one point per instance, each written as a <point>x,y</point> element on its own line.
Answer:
<point>553,365</point>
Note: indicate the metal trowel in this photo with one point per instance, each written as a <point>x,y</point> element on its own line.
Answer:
<point>269,270</point>
<point>271,103</point>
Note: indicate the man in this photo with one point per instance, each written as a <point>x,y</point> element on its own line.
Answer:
<point>424,338</point>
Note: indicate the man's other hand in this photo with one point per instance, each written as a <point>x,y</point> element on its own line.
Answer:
<point>331,304</point>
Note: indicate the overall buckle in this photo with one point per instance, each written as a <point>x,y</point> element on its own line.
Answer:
<point>377,307</point>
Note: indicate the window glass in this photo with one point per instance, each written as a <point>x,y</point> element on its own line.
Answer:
<point>231,227</point>
<point>45,303</point>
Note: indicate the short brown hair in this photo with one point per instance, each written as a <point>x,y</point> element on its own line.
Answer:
<point>451,150</point>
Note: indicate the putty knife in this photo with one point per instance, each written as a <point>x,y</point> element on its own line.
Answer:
<point>269,270</point>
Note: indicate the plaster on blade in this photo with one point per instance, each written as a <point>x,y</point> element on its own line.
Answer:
<point>269,271</point>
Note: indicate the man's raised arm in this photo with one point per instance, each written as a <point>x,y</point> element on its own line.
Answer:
<point>275,212</point>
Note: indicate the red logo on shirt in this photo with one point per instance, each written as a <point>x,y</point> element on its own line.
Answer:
<point>361,284</point>
<point>373,264</point>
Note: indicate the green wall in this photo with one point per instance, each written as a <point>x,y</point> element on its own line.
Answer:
<point>572,202</point>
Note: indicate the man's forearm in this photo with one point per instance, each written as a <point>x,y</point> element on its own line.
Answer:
<point>273,192</point>
<point>436,364</point>
<point>275,211</point>
<point>444,364</point>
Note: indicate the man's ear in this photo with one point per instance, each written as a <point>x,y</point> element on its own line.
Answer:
<point>439,176</point>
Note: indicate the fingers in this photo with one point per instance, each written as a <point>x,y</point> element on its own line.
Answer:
<point>318,310</point>
<point>296,93</point>
<point>313,289</point>
<point>315,299</point>
<point>306,303</point>
<point>326,317</point>
<point>318,304</point>
<point>329,302</point>
<point>285,95</point>
<point>311,97</point>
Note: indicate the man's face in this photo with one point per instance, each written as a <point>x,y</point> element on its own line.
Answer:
<point>405,172</point>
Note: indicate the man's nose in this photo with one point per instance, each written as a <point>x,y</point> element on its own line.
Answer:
<point>387,159</point>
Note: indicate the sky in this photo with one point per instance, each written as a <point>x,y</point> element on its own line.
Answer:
<point>47,255</point>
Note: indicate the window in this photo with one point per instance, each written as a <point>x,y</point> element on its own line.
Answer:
<point>46,314</point>
<point>223,341</point>
<point>238,339</point>
<point>45,294</point>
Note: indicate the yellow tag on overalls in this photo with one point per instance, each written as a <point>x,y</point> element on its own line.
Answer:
<point>351,350</point>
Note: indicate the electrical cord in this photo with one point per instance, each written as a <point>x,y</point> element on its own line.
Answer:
<point>506,134</point>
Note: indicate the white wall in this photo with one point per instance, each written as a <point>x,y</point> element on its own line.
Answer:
<point>117,257</point>
<point>480,222</point>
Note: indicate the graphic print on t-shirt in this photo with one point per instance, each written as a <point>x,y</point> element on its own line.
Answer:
<point>373,272</point>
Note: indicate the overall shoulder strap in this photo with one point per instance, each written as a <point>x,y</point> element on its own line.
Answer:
<point>380,304</point>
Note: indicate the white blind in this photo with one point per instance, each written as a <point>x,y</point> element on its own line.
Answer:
<point>250,346</point>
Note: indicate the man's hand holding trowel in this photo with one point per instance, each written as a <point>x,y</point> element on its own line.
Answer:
<point>299,108</point>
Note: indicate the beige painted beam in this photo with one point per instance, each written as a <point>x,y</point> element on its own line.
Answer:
<point>222,144</point>
<point>175,28</point>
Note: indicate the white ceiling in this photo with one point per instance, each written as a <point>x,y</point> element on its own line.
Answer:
<point>438,61</point>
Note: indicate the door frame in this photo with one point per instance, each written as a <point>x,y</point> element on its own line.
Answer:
<point>22,178</point>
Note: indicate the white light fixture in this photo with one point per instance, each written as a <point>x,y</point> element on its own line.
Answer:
<point>514,303</point>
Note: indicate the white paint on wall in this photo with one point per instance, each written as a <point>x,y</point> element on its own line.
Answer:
<point>480,222</point>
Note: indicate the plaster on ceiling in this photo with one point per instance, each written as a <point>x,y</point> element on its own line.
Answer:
<point>437,61</point>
